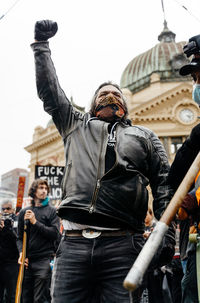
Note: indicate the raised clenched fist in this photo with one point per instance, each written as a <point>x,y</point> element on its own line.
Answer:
<point>45,29</point>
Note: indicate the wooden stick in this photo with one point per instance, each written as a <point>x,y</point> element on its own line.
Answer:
<point>21,268</point>
<point>136,273</point>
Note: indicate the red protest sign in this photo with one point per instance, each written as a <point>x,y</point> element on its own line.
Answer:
<point>20,193</point>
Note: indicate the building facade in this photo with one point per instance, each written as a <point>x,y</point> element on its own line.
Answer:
<point>10,180</point>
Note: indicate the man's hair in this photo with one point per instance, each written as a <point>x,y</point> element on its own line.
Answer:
<point>6,201</point>
<point>93,102</point>
<point>34,186</point>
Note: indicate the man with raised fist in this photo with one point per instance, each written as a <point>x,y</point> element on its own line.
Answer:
<point>109,164</point>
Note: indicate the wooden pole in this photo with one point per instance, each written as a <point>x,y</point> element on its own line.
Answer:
<point>21,268</point>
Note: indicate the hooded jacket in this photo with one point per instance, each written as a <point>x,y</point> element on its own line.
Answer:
<point>91,196</point>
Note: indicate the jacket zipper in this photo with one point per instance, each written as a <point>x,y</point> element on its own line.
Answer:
<point>91,209</point>
<point>66,175</point>
<point>115,164</point>
<point>98,184</point>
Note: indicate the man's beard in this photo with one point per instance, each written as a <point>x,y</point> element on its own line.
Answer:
<point>110,109</point>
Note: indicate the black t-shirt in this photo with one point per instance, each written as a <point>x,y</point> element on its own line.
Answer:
<point>110,151</point>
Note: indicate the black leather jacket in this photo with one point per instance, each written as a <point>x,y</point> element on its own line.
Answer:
<point>118,197</point>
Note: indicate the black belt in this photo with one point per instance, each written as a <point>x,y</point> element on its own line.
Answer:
<point>93,233</point>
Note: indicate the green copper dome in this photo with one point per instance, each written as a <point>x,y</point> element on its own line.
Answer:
<point>164,59</point>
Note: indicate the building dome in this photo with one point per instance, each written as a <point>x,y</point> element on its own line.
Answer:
<point>164,59</point>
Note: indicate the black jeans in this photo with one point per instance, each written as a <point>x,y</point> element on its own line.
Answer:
<point>8,281</point>
<point>189,281</point>
<point>36,281</point>
<point>93,270</point>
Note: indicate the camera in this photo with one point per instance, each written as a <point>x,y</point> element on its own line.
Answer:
<point>193,46</point>
<point>8,220</point>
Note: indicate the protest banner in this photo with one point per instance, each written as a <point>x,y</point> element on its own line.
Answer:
<point>53,175</point>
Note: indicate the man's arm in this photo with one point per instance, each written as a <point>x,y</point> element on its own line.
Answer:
<point>184,158</point>
<point>158,173</point>
<point>50,232</point>
<point>162,194</point>
<point>49,91</point>
<point>182,162</point>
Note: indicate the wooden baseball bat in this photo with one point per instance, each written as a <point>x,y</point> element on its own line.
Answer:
<point>134,278</point>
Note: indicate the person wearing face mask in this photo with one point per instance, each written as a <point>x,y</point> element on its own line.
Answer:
<point>196,88</point>
<point>109,164</point>
<point>189,212</point>
<point>193,69</point>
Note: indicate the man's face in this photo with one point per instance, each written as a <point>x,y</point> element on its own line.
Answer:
<point>106,91</point>
<point>110,106</point>
<point>41,192</point>
<point>7,208</point>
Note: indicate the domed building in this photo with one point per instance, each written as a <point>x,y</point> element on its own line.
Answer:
<point>157,96</point>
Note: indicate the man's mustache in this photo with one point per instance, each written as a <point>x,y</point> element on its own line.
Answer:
<point>108,100</point>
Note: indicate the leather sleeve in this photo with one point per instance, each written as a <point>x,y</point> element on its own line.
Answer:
<point>49,91</point>
<point>158,173</point>
<point>182,162</point>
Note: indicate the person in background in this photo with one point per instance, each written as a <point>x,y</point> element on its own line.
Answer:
<point>189,210</point>
<point>42,233</point>
<point>8,252</point>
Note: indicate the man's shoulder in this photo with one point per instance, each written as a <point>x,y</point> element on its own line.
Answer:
<point>146,130</point>
<point>140,131</point>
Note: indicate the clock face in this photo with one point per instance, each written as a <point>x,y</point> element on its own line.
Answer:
<point>186,115</point>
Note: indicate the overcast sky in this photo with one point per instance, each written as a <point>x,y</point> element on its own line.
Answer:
<point>96,39</point>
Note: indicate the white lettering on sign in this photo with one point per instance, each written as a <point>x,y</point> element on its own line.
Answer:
<point>53,175</point>
<point>56,193</point>
<point>49,170</point>
<point>51,180</point>
<point>59,171</point>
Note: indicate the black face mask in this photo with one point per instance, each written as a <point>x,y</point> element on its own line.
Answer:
<point>110,109</point>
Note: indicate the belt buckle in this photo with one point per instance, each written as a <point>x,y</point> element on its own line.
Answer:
<point>90,234</point>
